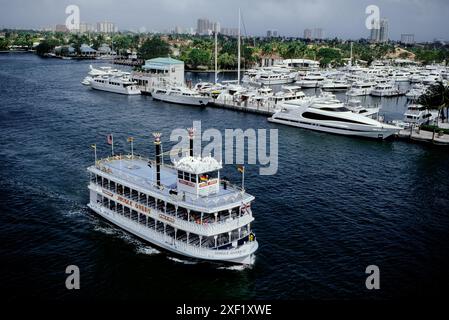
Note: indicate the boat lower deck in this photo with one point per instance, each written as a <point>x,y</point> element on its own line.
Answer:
<point>240,252</point>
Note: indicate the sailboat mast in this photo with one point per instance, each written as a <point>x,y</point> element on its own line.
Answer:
<point>350,61</point>
<point>216,56</point>
<point>238,54</point>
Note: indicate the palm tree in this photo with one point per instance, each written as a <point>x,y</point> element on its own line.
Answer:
<point>295,50</point>
<point>436,97</point>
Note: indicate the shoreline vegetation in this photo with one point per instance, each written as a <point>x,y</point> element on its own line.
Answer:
<point>197,52</point>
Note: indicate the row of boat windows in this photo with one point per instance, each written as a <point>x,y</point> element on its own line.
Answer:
<point>223,240</point>
<point>425,116</point>
<point>286,98</point>
<point>340,109</point>
<point>166,207</point>
<point>316,116</point>
<point>108,82</point>
<point>114,83</point>
<point>317,124</point>
<point>192,177</point>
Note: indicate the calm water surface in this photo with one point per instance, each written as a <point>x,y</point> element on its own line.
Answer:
<point>335,206</point>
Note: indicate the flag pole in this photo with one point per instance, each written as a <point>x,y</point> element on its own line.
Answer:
<point>94,146</point>
<point>132,148</point>
<point>243,178</point>
<point>112,144</point>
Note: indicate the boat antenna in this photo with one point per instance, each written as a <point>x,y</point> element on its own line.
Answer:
<point>238,53</point>
<point>216,55</point>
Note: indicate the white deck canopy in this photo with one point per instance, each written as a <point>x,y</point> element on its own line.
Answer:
<point>198,165</point>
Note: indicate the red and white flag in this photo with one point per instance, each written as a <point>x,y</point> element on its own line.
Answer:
<point>110,139</point>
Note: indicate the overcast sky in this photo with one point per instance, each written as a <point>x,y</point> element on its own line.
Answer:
<point>427,19</point>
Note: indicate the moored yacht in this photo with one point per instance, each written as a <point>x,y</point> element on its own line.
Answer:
<point>180,95</point>
<point>356,106</point>
<point>101,71</point>
<point>311,80</point>
<point>335,85</point>
<point>273,78</point>
<point>331,117</point>
<point>416,91</point>
<point>386,90</point>
<point>418,114</point>
<point>115,84</point>
<point>361,88</point>
<point>288,93</point>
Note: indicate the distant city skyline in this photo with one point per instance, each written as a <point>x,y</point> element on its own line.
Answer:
<point>426,20</point>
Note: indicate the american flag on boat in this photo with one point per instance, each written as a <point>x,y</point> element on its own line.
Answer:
<point>110,139</point>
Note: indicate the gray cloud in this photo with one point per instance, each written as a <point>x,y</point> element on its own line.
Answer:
<point>427,19</point>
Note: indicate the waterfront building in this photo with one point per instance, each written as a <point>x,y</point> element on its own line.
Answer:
<point>272,33</point>
<point>270,60</point>
<point>106,27</point>
<point>407,38</point>
<point>86,27</point>
<point>232,32</point>
<point>383,31</point>
<point>207,27</point>
<point>86,50</point>
<point>318,33</point>
<point>104,49</point>
<point>159,71</point>
<point>61,28</point>
<point>374,35</point>
<point>302,64</point>
<point>178,30</point>
<point>308,34</point>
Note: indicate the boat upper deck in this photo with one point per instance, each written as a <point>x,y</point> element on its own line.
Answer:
<point>136,172</point>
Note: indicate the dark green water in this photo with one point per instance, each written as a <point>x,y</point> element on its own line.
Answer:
<point>335,206</point>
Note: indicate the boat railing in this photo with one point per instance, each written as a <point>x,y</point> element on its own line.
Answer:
<point>177,243</point>
<point>211,200</point>
<point>194,225</point>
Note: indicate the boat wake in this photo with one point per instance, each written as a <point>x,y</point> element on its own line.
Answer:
<point>147,250</point>
<point>181,261</point>
<point>242,267</point>
<point>105,230</point>
<point>139,246</point>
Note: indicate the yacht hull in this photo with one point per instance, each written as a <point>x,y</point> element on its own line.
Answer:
<point>309,84</point>
<point>274,82</point>
<point>186,100</point>
<point>359,93</point>
<point>334,88</point>
<point>374,133</point>
<point>384,94</point>
<point>120,90</point>
<point>243,256</point>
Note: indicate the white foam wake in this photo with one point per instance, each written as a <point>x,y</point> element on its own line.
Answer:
<point>181,261</point>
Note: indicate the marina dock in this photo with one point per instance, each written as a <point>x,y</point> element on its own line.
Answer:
<point>417,135</point>
<point>263,109</point>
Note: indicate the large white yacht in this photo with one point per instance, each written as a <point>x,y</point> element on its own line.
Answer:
<point>273,78</point>
<point>287,93</point>
<point>361,88</point>
<point>311,80</point>
<point>115,84</point>
<point>385,90</point>
<point>356,106</point>
<point>101,71</point>
<point>335,85</point>
<point>180,95</point>
<point>332,117</point>
<point>416,90</point>
<point>418,114</point>
<point>185,208</point>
